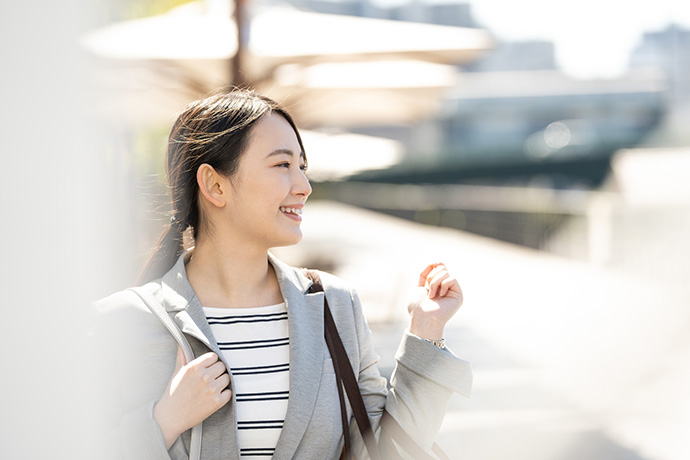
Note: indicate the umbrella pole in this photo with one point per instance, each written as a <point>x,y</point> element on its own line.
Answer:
<point>237,61</point>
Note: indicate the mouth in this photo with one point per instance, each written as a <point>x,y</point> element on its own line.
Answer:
<point>294,213</point>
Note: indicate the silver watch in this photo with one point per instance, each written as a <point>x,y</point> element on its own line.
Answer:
<point>439,343</point>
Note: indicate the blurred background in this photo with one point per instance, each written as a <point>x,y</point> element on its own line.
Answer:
<point>539,148</point>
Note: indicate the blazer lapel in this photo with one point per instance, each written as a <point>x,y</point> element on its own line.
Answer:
<point>305,322</point>
<point>182,303</point>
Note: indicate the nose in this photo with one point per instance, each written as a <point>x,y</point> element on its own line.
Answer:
<point>302,187</point>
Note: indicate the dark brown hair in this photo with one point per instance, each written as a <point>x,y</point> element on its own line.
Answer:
<point>215,131</point>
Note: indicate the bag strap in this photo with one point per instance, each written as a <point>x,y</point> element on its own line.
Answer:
<point>345,377</point>
<point>160,312</point>
<point>347,452</point>
<point>348,380</point>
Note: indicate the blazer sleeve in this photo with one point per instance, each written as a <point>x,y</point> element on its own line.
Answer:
<point>422,383</point>
<point>127,430</point>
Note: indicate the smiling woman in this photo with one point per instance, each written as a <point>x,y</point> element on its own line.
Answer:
<point>269,181</point>
<point>223,354</point>
<point>205,147</point>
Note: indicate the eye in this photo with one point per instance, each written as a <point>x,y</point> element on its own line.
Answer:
<point>284,165</point>
<point>303,167</point>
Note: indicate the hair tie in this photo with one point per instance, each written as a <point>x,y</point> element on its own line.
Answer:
<point>176,222</point>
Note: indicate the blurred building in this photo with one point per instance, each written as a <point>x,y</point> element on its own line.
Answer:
<point>345,7</point>
<point>668,50</point>
<point>516,56</point>
<point>524,141</point>
<point>513,114</point>
<point>447,14</point>
<point>516,127</point>
<point>511,126</point>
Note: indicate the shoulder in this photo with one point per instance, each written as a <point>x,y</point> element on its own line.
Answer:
<point>124,311</point>
<point>346,310</point>
<point>123,328</point>
<point>295,277</point>
<point>125,300</point>
<point>338,291</point>
<point>333,283</point>
<point>342,298</point>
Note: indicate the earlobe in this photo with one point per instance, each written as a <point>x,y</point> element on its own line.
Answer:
<point>210,185</point>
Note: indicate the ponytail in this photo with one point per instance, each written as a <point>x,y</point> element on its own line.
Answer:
<point>165,254</point>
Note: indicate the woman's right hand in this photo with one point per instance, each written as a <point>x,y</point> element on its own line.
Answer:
<point>196,390</point>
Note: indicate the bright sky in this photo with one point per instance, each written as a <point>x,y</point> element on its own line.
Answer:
<point>593,38</point>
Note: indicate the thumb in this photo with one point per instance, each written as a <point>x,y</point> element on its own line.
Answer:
<point>180,360</point>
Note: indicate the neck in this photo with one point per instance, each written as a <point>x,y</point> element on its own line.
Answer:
<point>232,276</point>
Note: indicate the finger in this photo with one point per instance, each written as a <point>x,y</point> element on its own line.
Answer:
<point>437,268</point>
<point>217,369</point>
<point>435,283</point>
<point>216,386</point>
<point>425,273</point>
<point>223,381</point>
<point>449,285</point>
<point>205,360</point>
<point>224,397</point>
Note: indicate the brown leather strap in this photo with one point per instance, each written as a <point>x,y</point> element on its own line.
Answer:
<point>345,377</point>
<point>347,450</point>
<point>338,379</point>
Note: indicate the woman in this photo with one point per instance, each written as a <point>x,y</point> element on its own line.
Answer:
<point>261,380</point>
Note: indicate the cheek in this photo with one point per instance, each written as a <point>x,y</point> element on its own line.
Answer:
<point>278,188</point>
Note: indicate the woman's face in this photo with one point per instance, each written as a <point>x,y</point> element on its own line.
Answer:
<point>270,187</point>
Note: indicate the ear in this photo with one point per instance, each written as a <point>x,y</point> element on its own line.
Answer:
<point>211,185</point>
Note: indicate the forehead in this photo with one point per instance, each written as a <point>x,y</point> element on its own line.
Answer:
<point>272,132</point>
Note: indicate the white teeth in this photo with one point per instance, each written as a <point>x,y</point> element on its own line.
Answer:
<point>296,211</point>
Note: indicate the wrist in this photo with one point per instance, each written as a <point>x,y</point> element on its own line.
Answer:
<point>438,343</point>
<point>426,328</point>
<point>166,424</point>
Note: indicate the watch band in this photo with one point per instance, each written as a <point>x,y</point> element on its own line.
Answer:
<point>439,343</point>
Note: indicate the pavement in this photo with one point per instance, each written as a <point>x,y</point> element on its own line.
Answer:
<point>570,360</point>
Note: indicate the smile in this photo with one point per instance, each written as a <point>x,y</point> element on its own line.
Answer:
<point>293,211</point>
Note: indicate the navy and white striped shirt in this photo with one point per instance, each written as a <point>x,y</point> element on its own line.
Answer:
<point>255,343</point>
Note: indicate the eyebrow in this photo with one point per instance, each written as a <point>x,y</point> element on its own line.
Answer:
<point>289,152</point>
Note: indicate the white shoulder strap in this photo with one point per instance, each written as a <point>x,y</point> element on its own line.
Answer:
<point>157,309</point>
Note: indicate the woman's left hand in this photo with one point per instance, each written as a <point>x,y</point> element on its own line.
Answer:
<point>439,297</point>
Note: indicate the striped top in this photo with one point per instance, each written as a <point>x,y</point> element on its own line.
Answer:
<point>255,343</point>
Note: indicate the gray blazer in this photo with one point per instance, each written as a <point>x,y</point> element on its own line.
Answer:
<point>137,358</point>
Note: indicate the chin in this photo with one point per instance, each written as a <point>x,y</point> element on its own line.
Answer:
<point>288,240</point>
